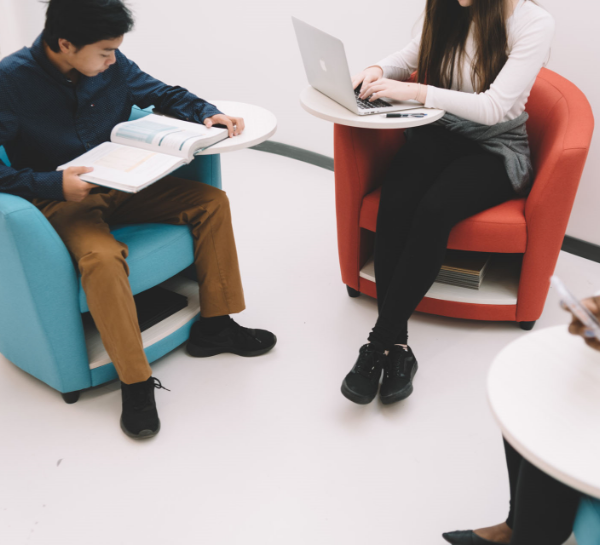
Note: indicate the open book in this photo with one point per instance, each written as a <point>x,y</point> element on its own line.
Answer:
<point>143,151</point>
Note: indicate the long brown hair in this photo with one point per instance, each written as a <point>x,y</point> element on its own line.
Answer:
<point>445,31</point>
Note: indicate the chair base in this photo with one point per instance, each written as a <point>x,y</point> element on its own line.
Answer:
<point>352,292</point>
<point>527,326</point>
<point>71,397</point>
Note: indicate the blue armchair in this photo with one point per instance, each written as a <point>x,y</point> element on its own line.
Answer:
<point>41,298</point>
<point>587,522</point>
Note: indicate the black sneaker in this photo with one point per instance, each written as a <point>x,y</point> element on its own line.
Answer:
<point>234,339</point>
<point>361,384</point>
<point>398,372</point>
<point>140,417</point>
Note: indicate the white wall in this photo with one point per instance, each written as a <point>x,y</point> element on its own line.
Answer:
<point>246,50</point>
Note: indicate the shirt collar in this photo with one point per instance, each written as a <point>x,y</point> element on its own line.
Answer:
<point>39,54</point>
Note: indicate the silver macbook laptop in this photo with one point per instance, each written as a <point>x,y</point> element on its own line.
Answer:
<point>327,70</point>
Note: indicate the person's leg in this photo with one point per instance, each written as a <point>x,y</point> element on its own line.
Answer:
<point>502,533</point>
<point>411,174</point>
<point>544,510</point>
<point>104,277</point>
<point>205,209</point>
<point>467,186</point>
<point>513,465</point>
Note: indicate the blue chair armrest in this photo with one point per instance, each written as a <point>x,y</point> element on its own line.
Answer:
<point>42,331</point>
<point>587,522</point>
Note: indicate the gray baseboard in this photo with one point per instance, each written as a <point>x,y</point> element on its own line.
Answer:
<point>296,153</point>
<point>572,245</point>
<point>581,248</point>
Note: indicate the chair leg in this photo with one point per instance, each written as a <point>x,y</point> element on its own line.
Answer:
<point>71,397</point>
<point>352,292</point>
<point>527,326</point>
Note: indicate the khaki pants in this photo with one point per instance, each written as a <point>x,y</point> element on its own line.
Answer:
<point>84,228</point>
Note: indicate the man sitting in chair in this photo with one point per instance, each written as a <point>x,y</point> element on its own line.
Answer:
<point>60,98</point>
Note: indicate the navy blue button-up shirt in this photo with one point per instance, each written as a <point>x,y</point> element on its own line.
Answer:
<point>46,121</point>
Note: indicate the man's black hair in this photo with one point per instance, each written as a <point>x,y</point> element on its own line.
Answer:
<point>85,22</point>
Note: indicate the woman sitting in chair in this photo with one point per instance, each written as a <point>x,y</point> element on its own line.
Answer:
<point>477,60</point>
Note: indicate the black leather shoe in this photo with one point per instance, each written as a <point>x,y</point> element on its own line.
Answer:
<point>466,537</point>
<point>398,373</point>
<point>234,339</point>
<point>361,384</point>
<point>140,417</point>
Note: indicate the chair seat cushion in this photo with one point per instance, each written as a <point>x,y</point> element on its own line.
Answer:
<point>499,229</point>
<point>156,252</point>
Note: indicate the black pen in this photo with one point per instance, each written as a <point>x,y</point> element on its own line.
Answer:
<point>405,115</point>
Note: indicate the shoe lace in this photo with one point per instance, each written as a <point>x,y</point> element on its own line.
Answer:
<point>242,332</point>
<point>395,366</point>
<point>158,385</point>
<point>141,396</point>
<point>368,362</point>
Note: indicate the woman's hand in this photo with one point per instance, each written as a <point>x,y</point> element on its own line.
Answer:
<point>389,88</point>
<point>367,76</point>
<point>577,328</point>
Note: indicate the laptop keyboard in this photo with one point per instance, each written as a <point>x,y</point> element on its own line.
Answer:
<point>365,104</point>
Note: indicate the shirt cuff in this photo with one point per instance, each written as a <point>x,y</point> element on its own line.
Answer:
<point>430,100</point>
<point>49,185</point>
<point>209,112</point>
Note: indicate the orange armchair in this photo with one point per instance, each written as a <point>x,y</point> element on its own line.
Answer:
<point>560,129</point>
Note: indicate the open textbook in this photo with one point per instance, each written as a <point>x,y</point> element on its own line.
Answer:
<point>143,151</point>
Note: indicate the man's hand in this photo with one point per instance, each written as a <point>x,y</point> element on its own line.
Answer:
<point>74,188</point>
<point>235,125</point>
<point>577,328</point>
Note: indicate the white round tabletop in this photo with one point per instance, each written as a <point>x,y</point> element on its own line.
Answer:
<point>544,391</point>
<point>260,124</point>
<point>323,107</point>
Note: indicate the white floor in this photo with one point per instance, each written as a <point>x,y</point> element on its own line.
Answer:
<point>267,451</point>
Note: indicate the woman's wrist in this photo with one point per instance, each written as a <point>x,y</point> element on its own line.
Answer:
<point>421,94</point>
<point>375,66</point>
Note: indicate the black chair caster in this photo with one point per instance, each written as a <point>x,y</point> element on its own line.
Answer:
<point>527,326</point>
<point>70,397</point>
<point>352,292</point>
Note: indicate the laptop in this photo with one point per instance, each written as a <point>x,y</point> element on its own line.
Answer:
<point>327,70</point>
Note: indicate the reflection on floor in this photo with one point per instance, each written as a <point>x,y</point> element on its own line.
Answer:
<point>267,451</point>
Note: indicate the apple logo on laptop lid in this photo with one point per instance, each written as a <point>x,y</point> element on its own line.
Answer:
<point>323,65</point>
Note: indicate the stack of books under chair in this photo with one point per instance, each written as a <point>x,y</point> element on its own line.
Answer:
<point>464,269</point>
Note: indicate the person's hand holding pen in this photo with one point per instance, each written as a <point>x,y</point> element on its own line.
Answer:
<point>577,328</point>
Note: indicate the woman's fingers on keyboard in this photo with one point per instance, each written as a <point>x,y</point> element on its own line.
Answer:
<point>357,80</point>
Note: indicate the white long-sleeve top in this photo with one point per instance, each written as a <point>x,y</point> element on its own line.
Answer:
<point>529,30</point>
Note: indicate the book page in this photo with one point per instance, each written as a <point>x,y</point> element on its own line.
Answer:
<point>123,167</point>
<point>167,135</point>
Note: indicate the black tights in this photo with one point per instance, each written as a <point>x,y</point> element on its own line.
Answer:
<point>436,180</point>
<point>542,510</point>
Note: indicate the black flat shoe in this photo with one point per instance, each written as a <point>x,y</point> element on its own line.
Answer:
<point>467,537</point>
<point>234,339</point>
<point>362,382</point>
<point>139,418</point>
<point>398,372</point>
